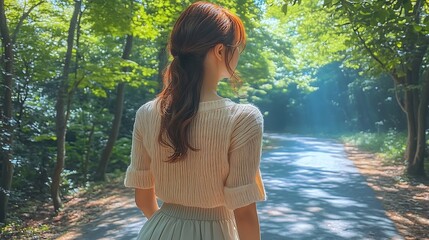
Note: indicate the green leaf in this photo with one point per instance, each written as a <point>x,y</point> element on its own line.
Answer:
<point>417,28</point>
<point>284,8</point>
<point>426,21</point>
<point>45,137</point>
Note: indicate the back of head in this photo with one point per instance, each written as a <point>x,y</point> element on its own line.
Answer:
<point>198,29</point>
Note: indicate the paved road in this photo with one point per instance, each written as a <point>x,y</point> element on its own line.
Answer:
<point>314,192</point>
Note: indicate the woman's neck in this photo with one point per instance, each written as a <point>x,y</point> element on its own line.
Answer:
<point>210,79</point>
<point>209,95</point>
<point>209,87</point>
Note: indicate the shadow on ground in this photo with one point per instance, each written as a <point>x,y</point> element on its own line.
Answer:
<point>123,221</point>
<point>315,192</point>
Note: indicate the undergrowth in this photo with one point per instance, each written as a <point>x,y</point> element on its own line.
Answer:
<point>31,218</point>
<point>390,146</point>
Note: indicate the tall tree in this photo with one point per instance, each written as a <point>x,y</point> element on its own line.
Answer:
<point>119,103</point>
<point>62,112</point>
<point>6,115</point>
<point>129,27</point>
<point>396,37</point>
<point>378,37</point>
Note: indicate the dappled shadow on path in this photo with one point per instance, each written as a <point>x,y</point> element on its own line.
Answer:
<point>315,192</point>
<point>122,221</point>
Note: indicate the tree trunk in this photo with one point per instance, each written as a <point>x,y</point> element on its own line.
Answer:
<point>107,151</point>
<point>415,101</point>
<point>415,104</point>
<point>60,107</point>
<point>6,115</point>
<point>88,153</point>
<point>411,126</point>
<point>416,164</point>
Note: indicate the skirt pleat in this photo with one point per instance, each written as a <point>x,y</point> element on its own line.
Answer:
<point>178,222</point>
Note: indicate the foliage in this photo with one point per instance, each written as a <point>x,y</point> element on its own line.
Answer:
<point>388,38</point>
<point>390,145</point>
<point>14,230</point>
<point>318,38</point>
<point>343,101</point>
<point>120,156</point>
<point>96,69</point>
<point>392,33</point>
<point>299,69</point>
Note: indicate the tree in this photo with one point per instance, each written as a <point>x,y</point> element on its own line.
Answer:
<point>396,37</point>
<point>62,111</point>
<point>6,115</point>
<point>129,28</point>
<point>119,103</point>
<point>382,37</point>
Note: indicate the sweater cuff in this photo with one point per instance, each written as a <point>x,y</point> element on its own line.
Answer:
<point>142,179</point>
<point>244,195</point>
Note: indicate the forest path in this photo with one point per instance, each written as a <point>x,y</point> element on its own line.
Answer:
<point>314,192</point>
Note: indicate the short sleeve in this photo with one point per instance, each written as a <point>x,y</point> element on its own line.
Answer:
<point>139,174</point>
<point>244,183</point>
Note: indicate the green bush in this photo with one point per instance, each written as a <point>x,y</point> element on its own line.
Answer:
<point>120,158</point>
<point>391,145</point>
<point>394,146</point>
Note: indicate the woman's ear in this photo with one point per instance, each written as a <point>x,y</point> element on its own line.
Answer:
<point>219,51</point>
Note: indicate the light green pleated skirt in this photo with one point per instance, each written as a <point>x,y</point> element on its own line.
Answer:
<point>178,222</point>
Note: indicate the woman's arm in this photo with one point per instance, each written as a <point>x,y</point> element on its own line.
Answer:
<point>247,222</point>
<point>146,201</point>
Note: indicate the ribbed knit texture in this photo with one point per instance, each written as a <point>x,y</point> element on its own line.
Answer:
<point>224,172</point>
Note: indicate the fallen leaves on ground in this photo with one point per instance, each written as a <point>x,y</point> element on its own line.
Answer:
<point>405,200</point>
<point>40,222</point>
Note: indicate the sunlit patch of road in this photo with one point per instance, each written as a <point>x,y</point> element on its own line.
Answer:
<point>315,192</point>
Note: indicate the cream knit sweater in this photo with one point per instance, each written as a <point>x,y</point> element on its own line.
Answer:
<point>225,172</point>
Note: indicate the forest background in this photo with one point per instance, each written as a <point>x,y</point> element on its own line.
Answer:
<point>73,74</point>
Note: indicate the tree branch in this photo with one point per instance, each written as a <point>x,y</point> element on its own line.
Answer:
<point>400,103</point>
<point>416,10</point>
<point>21,21</point>
<point>356,31</point>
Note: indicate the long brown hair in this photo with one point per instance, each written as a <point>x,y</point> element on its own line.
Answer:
<point>199,28</point>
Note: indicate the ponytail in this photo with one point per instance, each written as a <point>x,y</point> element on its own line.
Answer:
<point>179,102</point>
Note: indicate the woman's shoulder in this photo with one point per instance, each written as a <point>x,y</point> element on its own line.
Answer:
<point>147,107</point>
<point>247,110</point>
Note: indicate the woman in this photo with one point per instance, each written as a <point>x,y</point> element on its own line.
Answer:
<point>196,151</point>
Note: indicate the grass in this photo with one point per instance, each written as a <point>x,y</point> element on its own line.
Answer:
<point>390,146</point>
